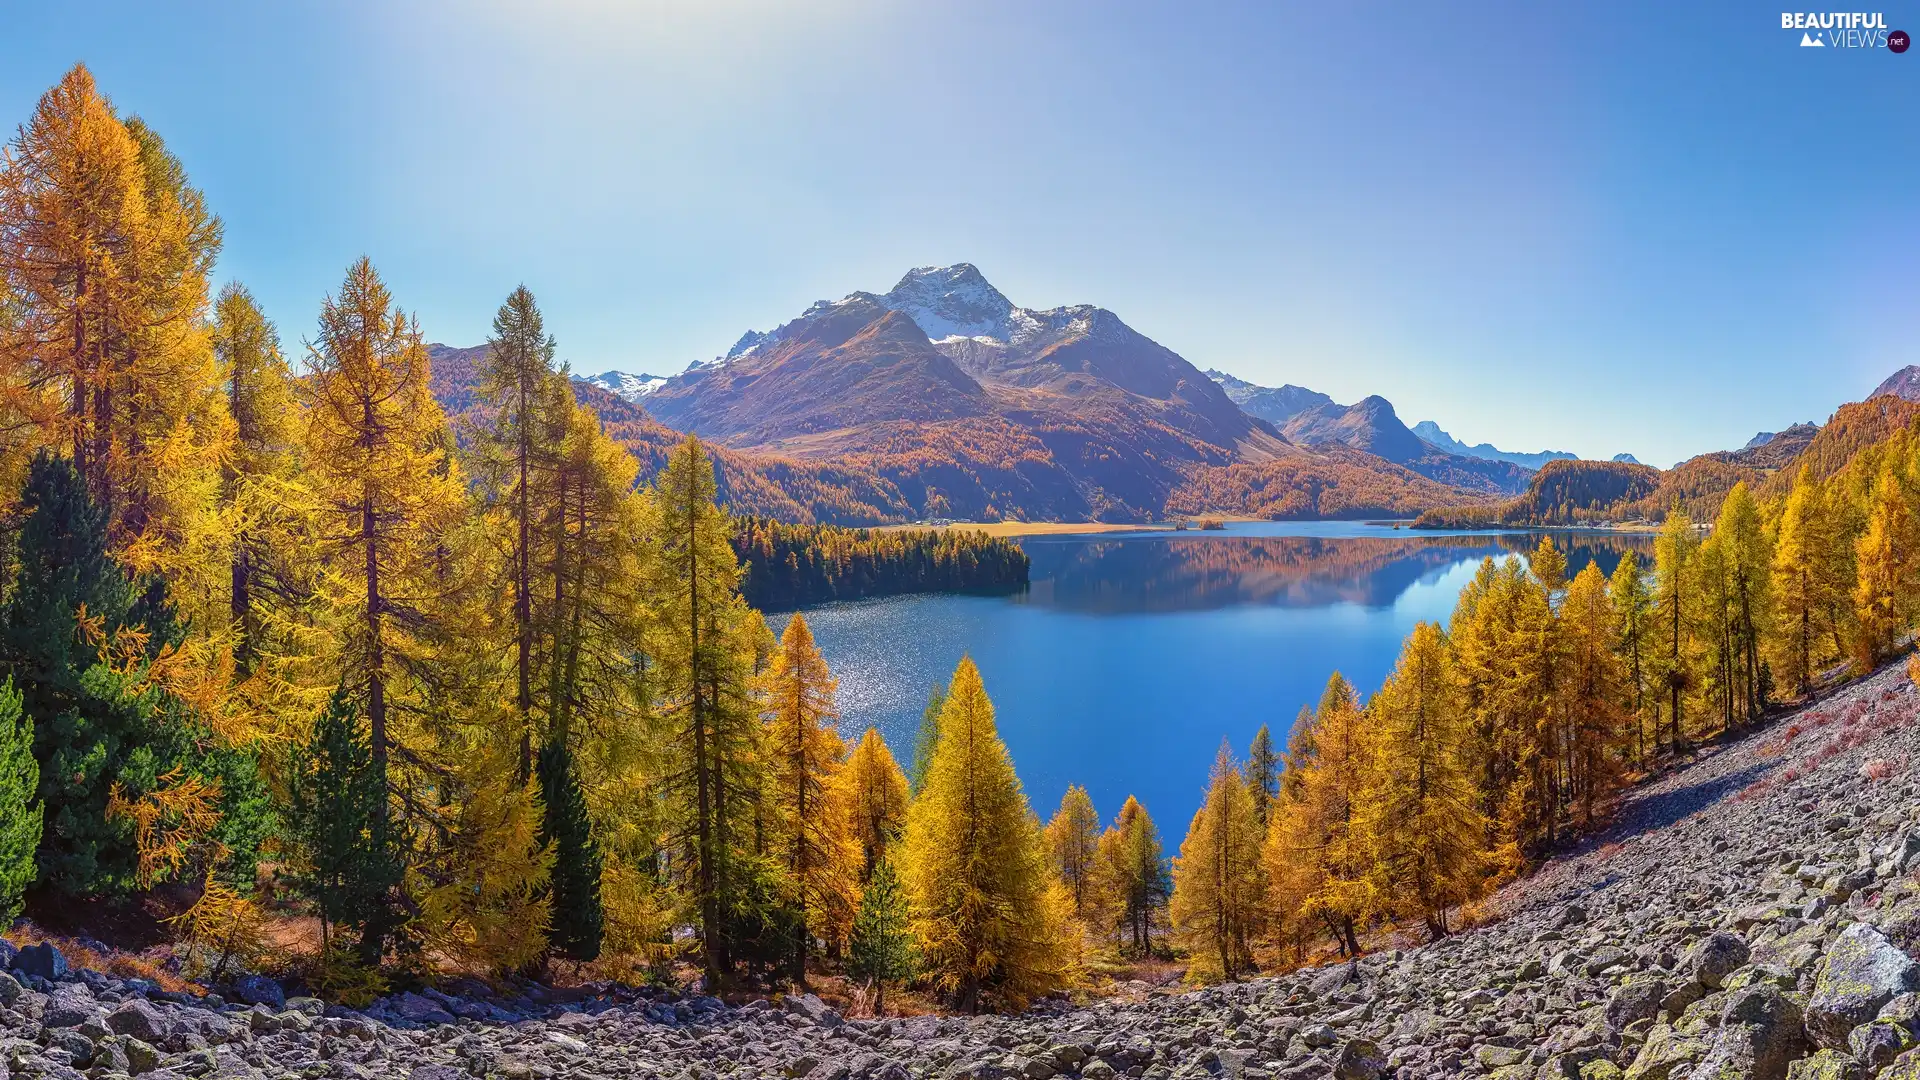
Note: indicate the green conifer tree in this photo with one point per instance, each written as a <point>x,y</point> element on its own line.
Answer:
<point>1263,773</point>
<point>20,810</point>
<point>881,948</point>
<point>336,814</point>
<point>578,919</point>
<point>87,734</point>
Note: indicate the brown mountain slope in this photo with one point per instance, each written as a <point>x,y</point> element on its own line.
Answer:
<point>1371,426</point>
<point>940,398</point>
<point>1065,412</point>
<point>1565,491</point>
<point>975,407</point>
<point>851,364</point>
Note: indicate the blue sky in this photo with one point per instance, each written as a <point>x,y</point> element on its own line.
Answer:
<point>1594,227</point>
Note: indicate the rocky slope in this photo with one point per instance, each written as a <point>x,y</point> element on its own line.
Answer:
<point>1753,914</point>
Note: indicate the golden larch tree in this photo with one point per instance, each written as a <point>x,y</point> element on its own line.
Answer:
<point>1219,884</point>
<point>1889,570</point>
<point>1423,830</point>
<point>805,755</point>
<point>1073,838</point>
<point>990,917</point>
<point>873,796</point>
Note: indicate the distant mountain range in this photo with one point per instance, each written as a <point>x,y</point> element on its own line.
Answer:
<point>1431,432</point>
<point>942,398</point>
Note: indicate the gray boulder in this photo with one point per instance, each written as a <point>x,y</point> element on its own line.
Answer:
<point>1720,954</point>
<point>1876,1044</point>
<point>1636,999</point>
<point>141,1019</point>
<point>1861,972</point>
<point>69,1010</point>
<point>41,961</point>
<point>259,990</point>
<point>1760,1034</point>
<point>1359,1059</point>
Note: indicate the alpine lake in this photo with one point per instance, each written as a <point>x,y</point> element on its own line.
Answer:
<point>1131,655</point>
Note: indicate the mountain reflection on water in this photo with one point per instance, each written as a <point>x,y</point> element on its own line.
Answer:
<point>1145,573</point>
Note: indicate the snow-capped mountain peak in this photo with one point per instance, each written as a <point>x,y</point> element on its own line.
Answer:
<point>625,384</point>
<point>952,302</point>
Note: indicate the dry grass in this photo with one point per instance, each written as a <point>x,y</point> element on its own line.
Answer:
<point>148,965</point>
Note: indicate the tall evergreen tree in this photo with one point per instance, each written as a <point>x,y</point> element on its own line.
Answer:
<point>705,655</point>
<point>21,813</point>
<point>1746,558</point>
<point>349,858</point>
<point>1632,627</point>
<point>105,249</point>
<point>1802,587</point>
<point>1263,773</point>
<point>1219,884</point>
<point>1134,862</point>
<point>1423,830</point>
<point>881,948</point>
<point>386,500</point>
<point>976,868</point>
<point>1314,852</point>
<point>1673,555</point>
<point>517,450</point>
<point>260,397</point>
<point>1597,694</point>
<point>88,733</point>
<point>1889,574</point>
<point>567,832</point>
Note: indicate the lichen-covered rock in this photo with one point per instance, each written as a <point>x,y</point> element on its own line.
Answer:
<point>1875,1044</point>
<point>1759,1036</point>
<point>1359,1059</point>
<point>1861,972</point>
<point>1636,999</point>
<point>1666,1050</point>
<point>1715,957</point>
<point>1824,1065</point>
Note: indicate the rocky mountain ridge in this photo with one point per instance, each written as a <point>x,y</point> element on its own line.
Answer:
<point>943,398</point>
<point>1751,914</point>
<point>1433,433</point>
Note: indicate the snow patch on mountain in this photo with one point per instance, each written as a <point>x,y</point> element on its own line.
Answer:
<point>952,305</point>
<point>626,385</point>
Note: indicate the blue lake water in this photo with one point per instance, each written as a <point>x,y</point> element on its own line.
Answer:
<point>1132,655</point>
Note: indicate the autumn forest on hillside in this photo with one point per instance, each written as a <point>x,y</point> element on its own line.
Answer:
<point>479,684</point>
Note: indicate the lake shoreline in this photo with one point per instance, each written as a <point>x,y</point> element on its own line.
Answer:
<point>1012,529</point>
